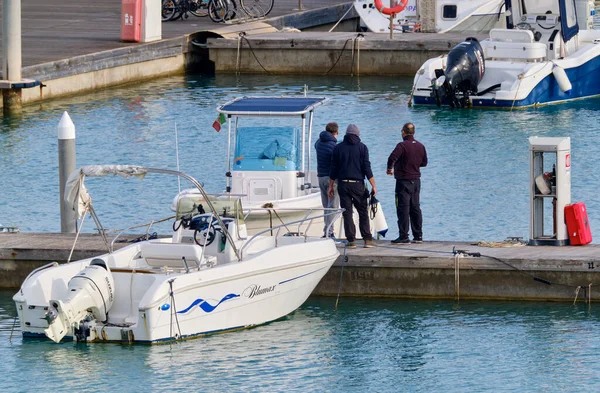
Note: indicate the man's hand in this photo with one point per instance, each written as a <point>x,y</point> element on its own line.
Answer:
<point>374,190</point>
<point>330,192</point>
<point>389,171</point>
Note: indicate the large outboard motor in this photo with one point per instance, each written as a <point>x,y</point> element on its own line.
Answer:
<point>465,67</point>
<point>91,295</point>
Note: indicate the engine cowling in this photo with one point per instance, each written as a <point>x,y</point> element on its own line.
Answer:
<point>90,297</point>
<point>465,68</point>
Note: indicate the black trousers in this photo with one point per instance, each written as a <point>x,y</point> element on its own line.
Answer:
<point>408,208</point>
<point>355,194</point>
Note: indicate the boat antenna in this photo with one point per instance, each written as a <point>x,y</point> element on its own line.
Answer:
<point>177,157</point>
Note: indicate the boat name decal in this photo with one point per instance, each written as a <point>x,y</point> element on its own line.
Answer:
<point>256,290</point>
<point>204,304</point>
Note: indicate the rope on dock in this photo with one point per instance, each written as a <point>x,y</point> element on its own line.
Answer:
<point>499,244</point>
<point>242,37</point>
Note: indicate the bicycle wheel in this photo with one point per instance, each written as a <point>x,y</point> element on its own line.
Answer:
<point>199,8</point>
<point>257,8</point>
<point>221,10</point>
<point>169,10</point>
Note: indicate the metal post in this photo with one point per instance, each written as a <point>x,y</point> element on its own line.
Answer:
<point>310,124</point>
<point>11,59</point>
<point>303,144</point>
<point>66,165</point>
<point>228,184</point>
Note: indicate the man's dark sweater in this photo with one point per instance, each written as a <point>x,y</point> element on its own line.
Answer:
<point>350,160</point>
<point>407,159</point>
<point>324,147</point>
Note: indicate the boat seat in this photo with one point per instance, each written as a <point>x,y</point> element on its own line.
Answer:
<point>170,254</point>
<point>514,50</point>
<point>512,35</point>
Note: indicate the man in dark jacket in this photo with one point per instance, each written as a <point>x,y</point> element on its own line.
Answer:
<point>405,164</point>
<point>324,147</point>
<point>349,166</point>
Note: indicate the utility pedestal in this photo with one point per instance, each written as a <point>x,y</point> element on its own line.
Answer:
<point>550,190</point>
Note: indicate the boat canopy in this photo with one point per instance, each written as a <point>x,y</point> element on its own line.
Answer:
<point>271,106</point>
<point>76,194</point>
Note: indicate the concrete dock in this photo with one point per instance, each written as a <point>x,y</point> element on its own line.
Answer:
<point>427,270</point>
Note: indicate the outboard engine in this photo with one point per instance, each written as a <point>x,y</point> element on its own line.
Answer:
<point>91,295</point>
<point>465,67</point>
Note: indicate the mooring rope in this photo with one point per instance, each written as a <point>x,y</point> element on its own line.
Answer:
<point>457,274</point>
<point>12,329</point>
<point>173,311</point>
<point>344,260</point>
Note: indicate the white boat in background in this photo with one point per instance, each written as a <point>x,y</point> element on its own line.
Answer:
<point>435,16</point>
<point>543,57</point>
<point>169,289</point>
<point>269,161</point>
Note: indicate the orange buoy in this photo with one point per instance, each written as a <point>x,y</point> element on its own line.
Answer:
<point>391,11</point>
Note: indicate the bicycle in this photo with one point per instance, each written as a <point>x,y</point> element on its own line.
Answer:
<point>257,8</point>
<point>174,9</point>
<point>222,10</point>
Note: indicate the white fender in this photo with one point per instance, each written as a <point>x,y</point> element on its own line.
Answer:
<point>562,79</point>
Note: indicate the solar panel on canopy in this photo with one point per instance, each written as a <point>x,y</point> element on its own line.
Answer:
<point>271,105</point>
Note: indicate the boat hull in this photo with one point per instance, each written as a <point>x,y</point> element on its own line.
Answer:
<point>267,285</point>
<point>585,81</point>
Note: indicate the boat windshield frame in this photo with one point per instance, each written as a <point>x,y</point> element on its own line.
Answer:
<point>236,109</point>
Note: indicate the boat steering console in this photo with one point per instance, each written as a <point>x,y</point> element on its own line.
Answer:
<point>204,225</point>
<point>548,21</point>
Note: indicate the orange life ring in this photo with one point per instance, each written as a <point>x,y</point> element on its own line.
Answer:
<point>391,11</point>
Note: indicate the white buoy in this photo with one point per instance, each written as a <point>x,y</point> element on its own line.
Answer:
<point>563,80</point>
<point>66,165</point>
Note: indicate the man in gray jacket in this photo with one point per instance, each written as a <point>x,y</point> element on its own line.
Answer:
<point>324,147</point>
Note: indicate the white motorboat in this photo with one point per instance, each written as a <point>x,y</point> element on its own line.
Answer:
<point>544,56</point>
<point>435,16</point>
<point>269,165</point>
<point>174,288</point>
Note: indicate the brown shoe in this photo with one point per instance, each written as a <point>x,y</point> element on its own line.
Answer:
<point>370,244</point>
<point>350,245</point>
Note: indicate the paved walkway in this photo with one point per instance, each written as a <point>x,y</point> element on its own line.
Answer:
<point>54,30</point>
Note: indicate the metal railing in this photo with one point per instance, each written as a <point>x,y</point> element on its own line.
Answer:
<point>148,225</point>
<point>335,213</point>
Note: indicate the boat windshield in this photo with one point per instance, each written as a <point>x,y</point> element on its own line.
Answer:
<point>267,149</point>
<point>540,7</point>
<point>225,206</point>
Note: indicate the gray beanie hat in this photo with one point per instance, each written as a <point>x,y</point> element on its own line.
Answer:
<point>352,129</point>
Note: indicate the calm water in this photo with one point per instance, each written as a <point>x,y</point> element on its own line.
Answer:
<point>366,346</point>
<point>475,188</point>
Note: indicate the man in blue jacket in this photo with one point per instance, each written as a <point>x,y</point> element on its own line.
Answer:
<point>405,163</point>
<point>324,147</point>
<point>350,166</point>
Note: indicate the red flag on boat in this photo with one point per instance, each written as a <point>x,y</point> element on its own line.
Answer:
<point>221,119</point>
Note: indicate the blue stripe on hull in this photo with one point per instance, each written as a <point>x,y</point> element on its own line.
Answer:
<point>585,81</point>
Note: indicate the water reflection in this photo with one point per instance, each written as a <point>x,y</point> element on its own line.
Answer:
<point>382,345</point>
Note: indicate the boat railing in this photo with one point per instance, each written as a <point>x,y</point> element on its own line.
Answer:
<point>334,213</point>
<point>148,226</point>
<point>46,266</point>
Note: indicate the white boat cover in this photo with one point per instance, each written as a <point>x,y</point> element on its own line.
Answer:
<point>77,196</point>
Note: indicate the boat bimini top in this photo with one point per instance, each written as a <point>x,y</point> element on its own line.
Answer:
<point>271,106</point>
